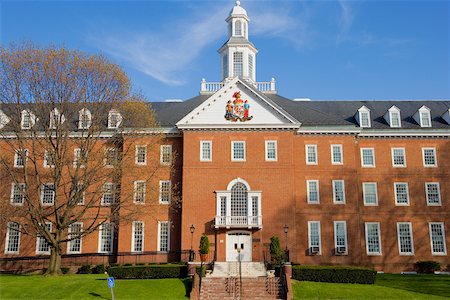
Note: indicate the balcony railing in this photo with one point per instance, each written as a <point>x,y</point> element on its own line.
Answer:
<point>238,222</point>
<point>212,87</point>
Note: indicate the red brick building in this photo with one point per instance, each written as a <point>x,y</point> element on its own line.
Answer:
<point>339,182</point>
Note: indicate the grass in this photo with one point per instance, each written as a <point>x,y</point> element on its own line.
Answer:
<point>387,286</point>
<point>89,287</point>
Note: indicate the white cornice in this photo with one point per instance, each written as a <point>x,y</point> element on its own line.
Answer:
<point>238,126</point>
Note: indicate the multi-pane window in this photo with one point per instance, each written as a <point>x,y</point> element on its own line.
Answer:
<point>437,239</point>
<point>165,191</point>
<point>311,154</point>
<point>238,151</point>
<point>163,236</point>
<point>338,191</point>
<point>49,159</point>
<point>12,243</point>
<point>239,200</point>
<point>398,157</point>
<point>20,157</point>
<point>250,66</point>
<point>106,238</point>
<point>109,193</point>
<point>238,28</point>
<point>395,119</point>
<point>114,119</point>
<point>373,238</point>
<point>238,64</point>
<point>370,194</point>
<point>405,239</point>
<point>205,150</point>
<point>401,193</point>
<point>79,193</point>
<point>17,193</point>
<point>84,116</point>
<point>429,157</point>
<point>336,155</point>
<point>433,193</point>
<point>367,157</point>
<point>79,159</point>
<point>74,232</point>
<point>425,119</point>
<point>139,191</point>
<point>364,119</point>
<point>314,242</point>
<point>340,237</point>
<point>312,189</point>
<point>26,121</point>
<point>55,118</point>
<point>255,205</point>
<point>223,206</point>
<point>42,245</point>
<point>166,154</point>
<point>141,155</point>
<point>271,151</point>
<point>110,157</point>
<point>48,194</point>
<point>138,237</point>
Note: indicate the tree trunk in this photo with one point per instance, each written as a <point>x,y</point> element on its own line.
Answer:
<point>54,266</point>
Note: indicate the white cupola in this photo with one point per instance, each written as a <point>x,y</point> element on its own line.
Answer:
<point>238,55</point>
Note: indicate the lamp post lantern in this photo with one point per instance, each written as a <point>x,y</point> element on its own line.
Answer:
<point>286,251</point>
<point>191,252</point>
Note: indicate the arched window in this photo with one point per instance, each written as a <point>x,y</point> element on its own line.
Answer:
<point>239,200</point>
<point>238,28</point>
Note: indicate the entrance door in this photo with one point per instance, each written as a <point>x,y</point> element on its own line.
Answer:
<point>239,243</point>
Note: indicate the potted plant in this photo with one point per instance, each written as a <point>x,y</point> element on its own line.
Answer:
<point>204,247</point>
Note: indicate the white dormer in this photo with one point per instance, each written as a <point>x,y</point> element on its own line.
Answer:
<point>446,116</point>
<point>4,119</point>
<point>56,118</point>
<point>393,117</point>
<point>27,119</point>
<point>114,119</point>
<point>84,119</point>
<point>423,116</point>
<point>363,117</point>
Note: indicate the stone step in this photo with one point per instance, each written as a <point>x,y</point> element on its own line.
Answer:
<point>248,269</point>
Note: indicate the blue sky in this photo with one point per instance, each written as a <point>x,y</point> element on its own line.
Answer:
<point>323,50</point>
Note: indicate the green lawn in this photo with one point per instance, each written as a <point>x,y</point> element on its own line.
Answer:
<point>387,286</point>
<point>82,287</point>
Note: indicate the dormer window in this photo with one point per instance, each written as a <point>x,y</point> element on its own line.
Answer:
<point>27,119</point>
<point>363,117</point>
<point>56,118</point>
<point>114,119</point>
<point>393,117</point>
<point>423,117</point>
<point>84,119</point>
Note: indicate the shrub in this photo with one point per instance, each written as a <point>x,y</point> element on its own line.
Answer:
<point>149,272</point>
<point>336,274</point>
<point>65,270</point>
<point>201,271</point>
<point>140,264</point>
<point>427,266</point>
<point>114,265</point>
<point>128,265</point>
<point>204,245</point>
<point>276,255</point>
<point>99,269</point>
<point>84,269</point>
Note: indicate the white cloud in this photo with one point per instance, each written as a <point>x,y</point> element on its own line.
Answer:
<point>345,21</point>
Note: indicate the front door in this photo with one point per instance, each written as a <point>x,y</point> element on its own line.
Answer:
<point>239,244</point>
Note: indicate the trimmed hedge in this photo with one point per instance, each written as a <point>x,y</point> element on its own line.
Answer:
<point>336,274</point>
<point>84,269</point>
<point>149,272</point>
<point>427,267</point>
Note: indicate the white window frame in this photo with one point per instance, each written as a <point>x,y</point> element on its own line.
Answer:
<point>202,145</point>
<point>7,240</point>
<point>333,162</point>
<point>345,238</point>
<point>40,240</point>
<point>43,193</point>
<point>159,236</point>
<point>334,191</point>
<point>100,232</point>
<point>404,157</point>
<point>399,240</point>
<point>424,110</point>
<point>17,156</point>
<point>106,161</point>
<point>13,189</point>
<point>233,143</point>
<point>111,190</point>
<point>379,239</point>
<point>161,155</point>
<point>69,232</point>
<point>118,120</point>
<point>133,237</point>
<point>308,192</point>
<point>361,112</point>
<point>78,160</point>
<point>136,182</point>
<point>267,150</point>
<point>435,157</point>
<point>396,196</point>
<point>427,195</point>
<point>56,118</point>
<point>392,112</point>
<point>373,157</point>
<point>23,115</point>
<point>365,193</point>
<point>441,224</point>
<point>309,238</point>
<point>137,162</point>
<point>316,159</point>
<point>84,112</point>
<point>161,201</point>
<point>46,159</point>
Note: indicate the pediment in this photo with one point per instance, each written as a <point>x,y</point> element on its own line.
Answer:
<point>237,104</point>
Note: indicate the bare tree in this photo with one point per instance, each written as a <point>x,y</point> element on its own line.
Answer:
<point>65,116</point>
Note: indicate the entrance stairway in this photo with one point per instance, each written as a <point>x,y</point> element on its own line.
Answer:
<point>255,284</point>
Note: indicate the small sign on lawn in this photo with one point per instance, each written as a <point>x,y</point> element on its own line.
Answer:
<point>110,282</point>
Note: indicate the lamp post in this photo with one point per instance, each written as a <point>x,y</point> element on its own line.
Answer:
<point>286,251</point>
<point>191,252</point>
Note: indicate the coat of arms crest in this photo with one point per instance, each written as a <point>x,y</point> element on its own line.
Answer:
<point>238,109</point>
